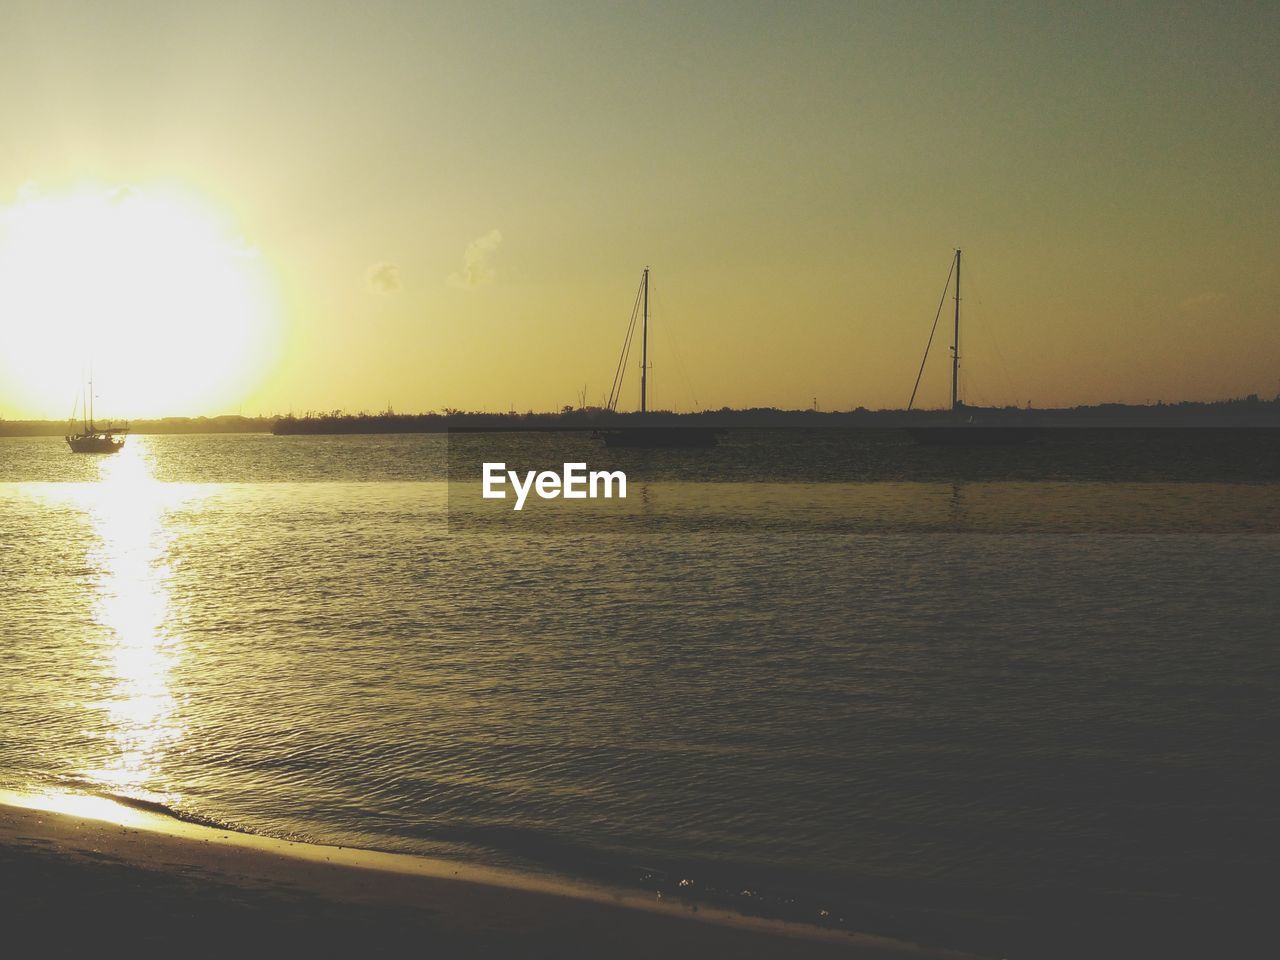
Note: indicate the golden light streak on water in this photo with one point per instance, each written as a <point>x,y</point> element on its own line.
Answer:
<point>79,805</point>
<point>130,607</point>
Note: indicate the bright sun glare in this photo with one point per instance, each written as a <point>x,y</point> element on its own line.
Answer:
<point>147,288</point>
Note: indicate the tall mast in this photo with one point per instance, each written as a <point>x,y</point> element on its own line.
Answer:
<point>90,405</point>
<point>955,346</point>
<point>644,348</point>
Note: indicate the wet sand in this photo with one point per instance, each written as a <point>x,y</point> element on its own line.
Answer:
<point>103,876</point>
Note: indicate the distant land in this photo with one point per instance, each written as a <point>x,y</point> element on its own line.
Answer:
<point>227,424</point>
<point>1250,411</point>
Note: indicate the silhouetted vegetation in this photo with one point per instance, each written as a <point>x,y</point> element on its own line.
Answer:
<point>1249,411</point>
<point>1244,412</point>
<point>225,424</point>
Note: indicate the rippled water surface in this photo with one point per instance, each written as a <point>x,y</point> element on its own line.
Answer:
<point>963,711</point>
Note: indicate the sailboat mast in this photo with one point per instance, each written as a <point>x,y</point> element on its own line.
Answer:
<point>89,409</point>
<point>644,348</point>
<point>955,346</point>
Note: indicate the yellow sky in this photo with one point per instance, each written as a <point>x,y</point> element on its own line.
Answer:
<point>435,205</point>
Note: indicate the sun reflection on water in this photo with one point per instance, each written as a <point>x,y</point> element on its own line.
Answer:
<point>128,602</point>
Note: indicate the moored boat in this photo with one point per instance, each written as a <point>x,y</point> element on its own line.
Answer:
<point>661,437</point>
<point>93,438</point>
<point>641,435</point>
<point>964,429</point>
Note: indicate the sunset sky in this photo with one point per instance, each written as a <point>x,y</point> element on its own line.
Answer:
<point>257,207</point>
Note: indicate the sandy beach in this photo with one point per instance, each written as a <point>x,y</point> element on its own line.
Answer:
<point>104,875</point>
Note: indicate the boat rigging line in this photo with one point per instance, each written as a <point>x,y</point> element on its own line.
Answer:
<point>936,317</point>
<point>615,393</point>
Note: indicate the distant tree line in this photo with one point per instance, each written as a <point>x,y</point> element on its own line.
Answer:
<point>1248,411</point>
<point>225,424</point>
<point>1245,411</point>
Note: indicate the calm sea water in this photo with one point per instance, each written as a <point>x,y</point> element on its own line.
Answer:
<point>997,702</point>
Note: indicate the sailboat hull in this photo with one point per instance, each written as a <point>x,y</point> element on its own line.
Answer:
<point>95,443</point>
<point>971,435</point>
<point>652,438</point>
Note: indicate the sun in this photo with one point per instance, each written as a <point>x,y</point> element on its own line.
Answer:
<point>146,288</point>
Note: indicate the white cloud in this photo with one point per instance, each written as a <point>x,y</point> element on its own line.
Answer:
<point>384,278</point>
<point>477,266</point>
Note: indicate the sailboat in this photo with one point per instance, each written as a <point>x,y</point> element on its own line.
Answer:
<point>93,438</point>
<point>647,435</point>
<point>963,430</point>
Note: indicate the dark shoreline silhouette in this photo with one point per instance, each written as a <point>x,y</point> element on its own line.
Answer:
<point>165,425</point>
<point>1249,411</point>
